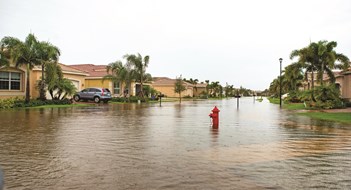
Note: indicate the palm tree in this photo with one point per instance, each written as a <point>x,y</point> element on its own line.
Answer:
<point>326,57</point>
<point>56,82</point>
<point>4,59</point>
<point>292,76</point>
<point>23,53</point>
<point>139,65</point>
<point>119,73</point>
<point>47,53</point>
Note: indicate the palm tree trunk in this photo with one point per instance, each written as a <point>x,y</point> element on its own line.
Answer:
<point>42,84</point>
<point>28,85</point>
<point>312,87</point>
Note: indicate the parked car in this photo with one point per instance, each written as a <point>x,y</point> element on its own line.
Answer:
<point>95,94</point>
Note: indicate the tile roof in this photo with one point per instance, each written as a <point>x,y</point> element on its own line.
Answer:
<point>165,81</point>
<point>67,68</point>
<point>93,70</point>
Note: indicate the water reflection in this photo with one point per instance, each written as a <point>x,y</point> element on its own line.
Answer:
<point>145,146</point>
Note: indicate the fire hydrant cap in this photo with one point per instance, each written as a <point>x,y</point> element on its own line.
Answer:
<point>215,109</point>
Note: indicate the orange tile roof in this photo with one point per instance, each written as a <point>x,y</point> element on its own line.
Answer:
<point>67,68</point>
<point>165,81</point>
<point>93,70</point>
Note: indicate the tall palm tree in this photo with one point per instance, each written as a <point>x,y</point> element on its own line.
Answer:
<point>119,73</point>
<point>139,65</point>
<point>326,57</point>
<point>47,53</point>
<point>23,53</point>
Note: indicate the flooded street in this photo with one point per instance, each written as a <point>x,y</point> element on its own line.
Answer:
<point>145,146</point>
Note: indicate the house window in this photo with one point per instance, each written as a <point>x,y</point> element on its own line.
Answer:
<point>116,88</point>
<point>10,80</point>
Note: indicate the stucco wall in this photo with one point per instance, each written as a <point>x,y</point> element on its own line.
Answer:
<point>346,88</point>
<point>169,91</point>
<point>97,83</point>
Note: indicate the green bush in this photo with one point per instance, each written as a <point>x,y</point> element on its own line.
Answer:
<point>294,97</point>
<point>132,99</point>
<point>325,97</point>
<point>20,103</point>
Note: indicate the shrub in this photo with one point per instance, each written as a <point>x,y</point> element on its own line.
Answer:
<point>325,97</point>
<point>294,97</point>
<point>20,103</point>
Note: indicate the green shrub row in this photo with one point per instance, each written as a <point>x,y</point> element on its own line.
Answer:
<point>322,97</point>
<point>132,99</point>
<point>20,103</point>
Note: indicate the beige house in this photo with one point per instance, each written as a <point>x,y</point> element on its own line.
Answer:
<point>343,81</point>
<point>13,80</point>
<point>166,86</point>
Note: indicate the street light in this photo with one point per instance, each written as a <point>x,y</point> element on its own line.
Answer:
<point>280,82</point>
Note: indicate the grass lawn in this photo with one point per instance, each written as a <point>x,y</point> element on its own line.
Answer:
<point>294,106</point>
<point>338,117</point>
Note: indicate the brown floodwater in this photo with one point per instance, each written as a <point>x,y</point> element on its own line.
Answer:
<point>145,146</point>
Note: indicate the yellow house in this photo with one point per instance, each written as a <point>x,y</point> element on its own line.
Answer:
<point>166,86</point>
<point>13,80</point>
<point>95,79</point>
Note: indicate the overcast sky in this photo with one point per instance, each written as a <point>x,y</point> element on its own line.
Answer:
<point>238,42</point>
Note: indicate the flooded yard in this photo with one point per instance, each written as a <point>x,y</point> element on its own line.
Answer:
<point>145,146</point>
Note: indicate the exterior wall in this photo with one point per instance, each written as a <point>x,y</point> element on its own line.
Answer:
<point>15,93</point>
<point>76,78</point>
<point>97,83</point>
<point>169,91</point>
<point>346,87</point>
<point>34,77</point>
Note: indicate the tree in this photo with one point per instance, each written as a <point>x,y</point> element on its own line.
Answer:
<point>47,53</point>
<point>119,73</point>
<point>326,57</point>
<point>23,53</point>
<point>292,76</point>
<point>320,57</point>
<point>179,88</point>
<point>55,82</point>
<point>4,58</point>
<point>139,65</point>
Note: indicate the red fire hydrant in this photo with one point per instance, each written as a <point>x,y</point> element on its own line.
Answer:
<point>215,117</point>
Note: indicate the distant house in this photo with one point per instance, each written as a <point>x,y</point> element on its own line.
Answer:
<point>13,80</point>
<point>166,85</point>
<point>200,89</point>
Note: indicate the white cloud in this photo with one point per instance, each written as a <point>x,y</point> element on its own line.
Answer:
<point>238,42</point>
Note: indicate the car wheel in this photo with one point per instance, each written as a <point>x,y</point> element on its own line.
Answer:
<point>96,99</point>
<point>76,98</point>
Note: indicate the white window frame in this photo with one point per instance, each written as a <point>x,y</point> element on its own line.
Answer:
<point>9,80</point>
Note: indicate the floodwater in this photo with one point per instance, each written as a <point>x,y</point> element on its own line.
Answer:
<point>145,146</point>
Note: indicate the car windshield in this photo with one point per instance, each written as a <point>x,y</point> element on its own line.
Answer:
<point>106,89</point>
